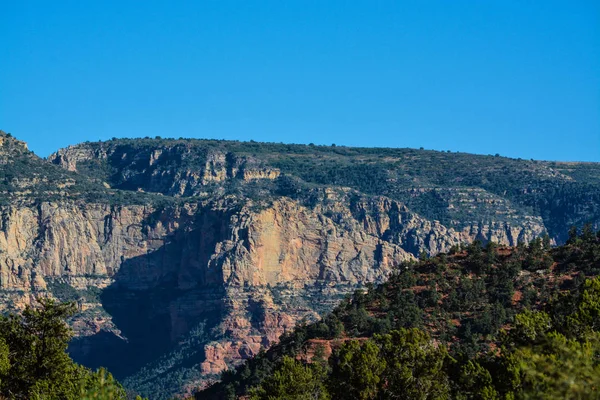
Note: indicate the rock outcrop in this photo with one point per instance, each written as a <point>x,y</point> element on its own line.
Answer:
<point>176,170</point>
<point>257,270</point>
<point>221,268</point>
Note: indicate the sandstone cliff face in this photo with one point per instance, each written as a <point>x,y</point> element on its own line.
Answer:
<point>175,170</point>
<point>230,259</point>
<point>395,223</point>
<point>70,156</point>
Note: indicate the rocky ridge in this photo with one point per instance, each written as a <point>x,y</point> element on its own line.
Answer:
<point>241,257</point>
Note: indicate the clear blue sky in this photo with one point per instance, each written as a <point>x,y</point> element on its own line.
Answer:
<point>519,78</point>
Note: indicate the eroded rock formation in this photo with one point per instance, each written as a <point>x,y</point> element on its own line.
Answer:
<point>215,277</point>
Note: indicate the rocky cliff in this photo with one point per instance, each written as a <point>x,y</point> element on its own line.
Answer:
<point>190,257</point>
<point>249,275</point>
<point>179,169</point>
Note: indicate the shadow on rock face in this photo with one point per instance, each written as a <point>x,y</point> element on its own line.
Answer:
<point>156,299</point>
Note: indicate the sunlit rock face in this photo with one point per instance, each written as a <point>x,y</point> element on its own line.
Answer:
<point>250,272</point>
<point>194,258</point>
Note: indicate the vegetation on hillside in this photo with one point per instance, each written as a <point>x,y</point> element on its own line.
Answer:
<point>26,177</point>
<point>34,363</point>
<point>479,323</point>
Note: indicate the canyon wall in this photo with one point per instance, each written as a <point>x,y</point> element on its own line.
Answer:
<point>186,260</point>
<point>251,271</point>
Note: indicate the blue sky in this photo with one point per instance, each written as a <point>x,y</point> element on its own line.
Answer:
<point>519,78</point>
